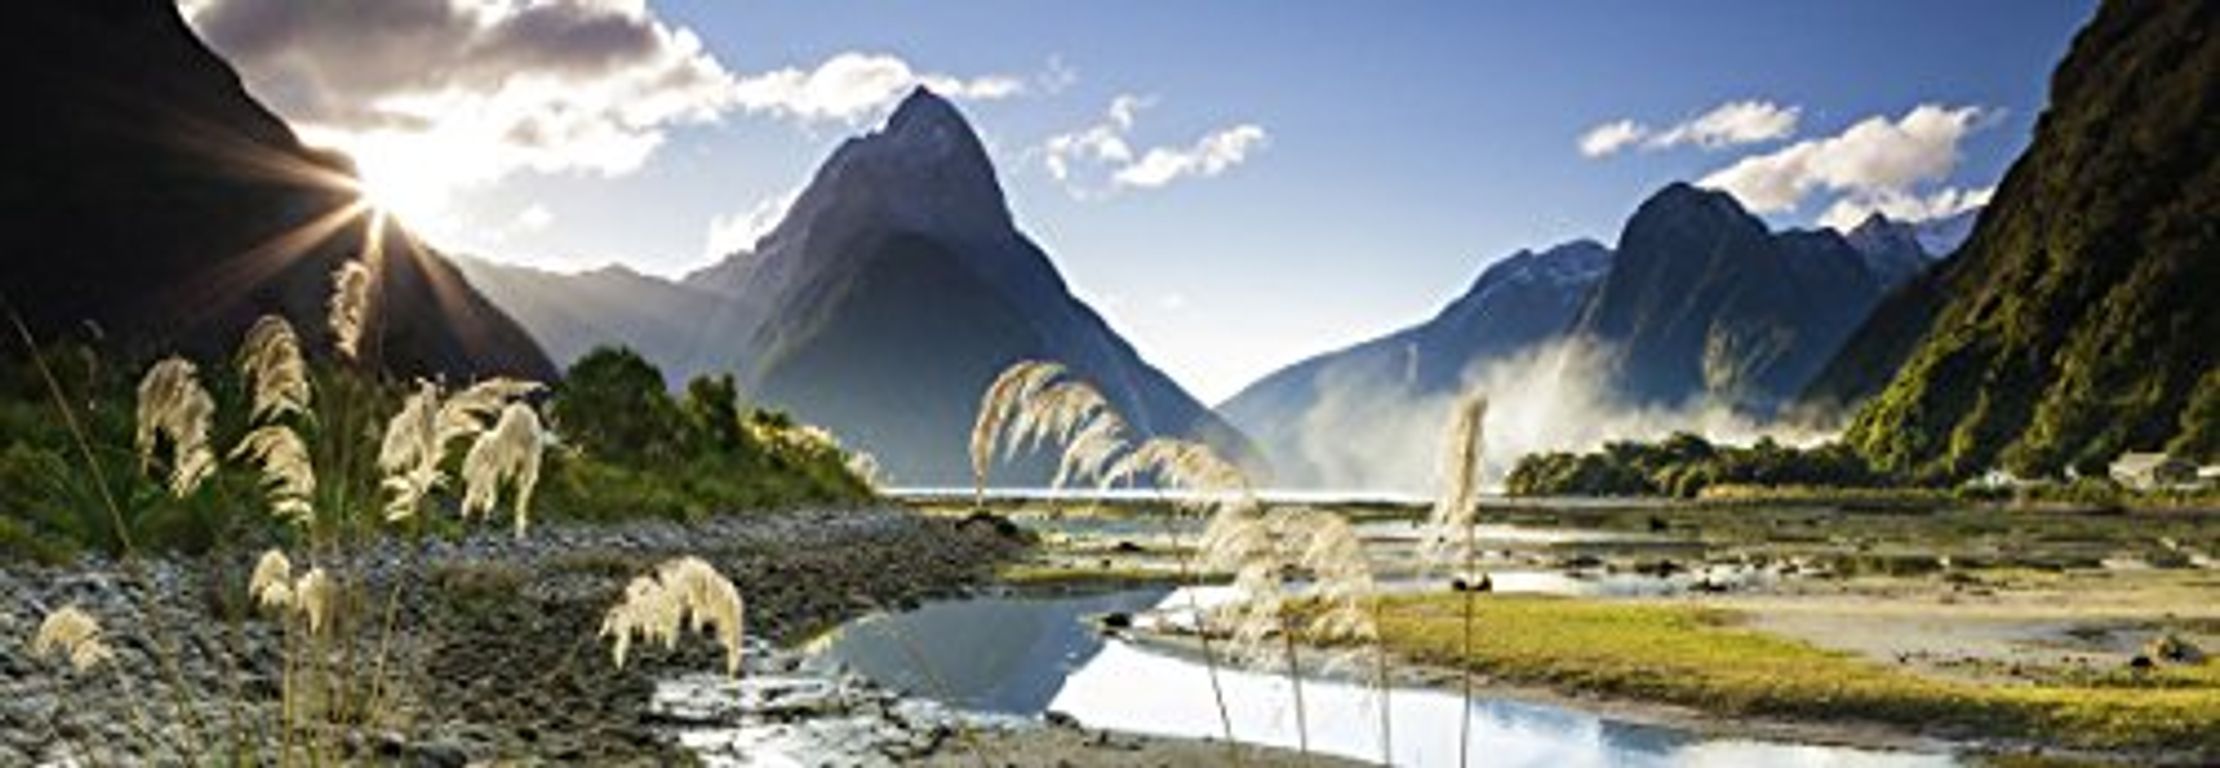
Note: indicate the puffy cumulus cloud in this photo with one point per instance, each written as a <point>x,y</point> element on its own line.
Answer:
<point>1877,159</point>
<point>1848,212</point>
<point>852,87</point>
<point>1731,124</point>
<point>471,89</point>
<point>1105,149</point>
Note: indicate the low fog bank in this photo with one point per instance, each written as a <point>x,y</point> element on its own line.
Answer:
<point>1371,430</point>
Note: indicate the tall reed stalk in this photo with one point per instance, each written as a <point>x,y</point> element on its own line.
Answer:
<point>1455,516</point>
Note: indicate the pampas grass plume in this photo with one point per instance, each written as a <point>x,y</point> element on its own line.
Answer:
<point>173,405</point>
<point>287,475</point>
<point>509,453</point>
<point>686,593</point>
<point>1004,398</point>
<point>350,306</point>
<point>270,359</point>
<point>271,586</point>
<point>1458,506</point>
<point>315,595</point>
<point>72,633</point>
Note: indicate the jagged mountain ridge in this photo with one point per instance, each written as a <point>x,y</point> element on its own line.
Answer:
<point>1713,308</point>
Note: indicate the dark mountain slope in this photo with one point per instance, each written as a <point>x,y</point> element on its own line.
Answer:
<point>1703,303</point>
<point>2077,320</point>
<point>146,194</point>
<point>898,286</point>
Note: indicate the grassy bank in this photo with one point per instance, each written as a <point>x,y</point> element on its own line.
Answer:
<point>1698,658</point>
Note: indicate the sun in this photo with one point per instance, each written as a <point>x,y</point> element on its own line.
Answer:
<point>414,192</point>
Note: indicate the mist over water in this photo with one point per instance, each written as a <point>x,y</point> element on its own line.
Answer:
<point>1378,432</point>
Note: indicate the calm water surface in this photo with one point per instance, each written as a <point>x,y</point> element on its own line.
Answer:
<point>1027,656</point>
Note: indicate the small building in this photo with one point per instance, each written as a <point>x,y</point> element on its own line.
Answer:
<point>2147,471</point>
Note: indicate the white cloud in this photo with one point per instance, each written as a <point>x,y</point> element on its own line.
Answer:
<point>429,95</point>
<point>730,234</point>
<point>1852,210</point>
<point>1611,137</point>
<point>1104,150</point>
<point>1730,124</point>
<point>1211,155</point>
<point>853,87</point>
<point>1876,159</point>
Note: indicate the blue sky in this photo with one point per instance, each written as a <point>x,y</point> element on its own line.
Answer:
<point>1398,148</point>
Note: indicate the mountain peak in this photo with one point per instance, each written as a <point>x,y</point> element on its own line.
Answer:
<point>1684,199</point>
<point>924,169</point>
<point>1879,233</point>
<point>924,108</point>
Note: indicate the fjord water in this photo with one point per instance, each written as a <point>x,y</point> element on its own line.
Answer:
<point>1031,655</point>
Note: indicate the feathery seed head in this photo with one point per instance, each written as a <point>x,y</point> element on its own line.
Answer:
<point>1054,413</point>
<point>316,596</point>
<point>510,452</point>
<point>270,359</point>
<point>288,478</point>
<point>71,633</point>
<point>410,453</point>
<point>1185,464</point>
<point>470,411</point>
<point>271,584</point>
<point>1004,398</point>
<point>174,406</point>
<point>1089,453</point>
<point>1458,507</point>
<point>686,593</point>
<point>350,306</point>
<point>416,440</point>
<point>1342,580</point>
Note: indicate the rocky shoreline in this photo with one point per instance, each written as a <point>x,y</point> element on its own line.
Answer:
<point>497,654</point>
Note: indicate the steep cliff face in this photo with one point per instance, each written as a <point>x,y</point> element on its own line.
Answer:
<point>149,197</point>
<point>2078,319</point>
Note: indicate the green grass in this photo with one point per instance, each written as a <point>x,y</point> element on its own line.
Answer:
<point>1697,657</point>
<point>1085,577</point>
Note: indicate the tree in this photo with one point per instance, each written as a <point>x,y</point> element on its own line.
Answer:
<point>712,409</point>
<point>612,404</point>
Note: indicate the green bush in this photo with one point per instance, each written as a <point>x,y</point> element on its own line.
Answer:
<point>1683,465</point>
<point>632,450</point>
